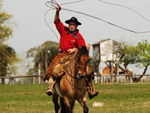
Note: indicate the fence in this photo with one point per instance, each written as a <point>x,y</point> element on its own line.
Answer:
<point>98,78</point>
<point>121,78</point>
<point>33,77</point>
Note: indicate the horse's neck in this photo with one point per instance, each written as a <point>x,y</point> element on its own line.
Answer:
<point>73,64</point>
<point>73,67</point>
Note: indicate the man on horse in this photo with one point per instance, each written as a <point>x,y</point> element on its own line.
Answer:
<point>70,38</point>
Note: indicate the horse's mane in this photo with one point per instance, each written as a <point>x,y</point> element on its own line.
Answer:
<point>82,51</point>
<point>76,56</point>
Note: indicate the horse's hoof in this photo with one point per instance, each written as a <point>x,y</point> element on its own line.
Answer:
<point>85,109</point>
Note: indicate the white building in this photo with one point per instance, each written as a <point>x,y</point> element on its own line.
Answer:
<point>103,51</point>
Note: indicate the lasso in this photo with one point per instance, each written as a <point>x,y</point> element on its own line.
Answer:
<point>53,4</point>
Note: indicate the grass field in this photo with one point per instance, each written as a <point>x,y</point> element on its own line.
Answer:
<point>117,98</point>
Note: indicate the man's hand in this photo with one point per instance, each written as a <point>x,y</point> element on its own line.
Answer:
<point>58,8</point>
<point>71,50</point>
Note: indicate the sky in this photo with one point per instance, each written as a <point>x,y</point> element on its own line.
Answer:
<point>31,30</point>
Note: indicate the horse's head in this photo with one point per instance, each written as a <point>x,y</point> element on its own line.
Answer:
<point>82,59</point>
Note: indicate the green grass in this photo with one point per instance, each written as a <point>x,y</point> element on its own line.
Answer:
<point>117,98</point>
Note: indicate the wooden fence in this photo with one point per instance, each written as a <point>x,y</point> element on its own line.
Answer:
<point>98,78</point>
<point>11,78</point>
<point>121,78</point>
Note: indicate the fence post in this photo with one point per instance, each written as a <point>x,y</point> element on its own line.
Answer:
<point>131,79</point>
<point>39,72</point>
<point>33,80</point>
<point>147,79</point>
<point>106,79</point>
<point>125,78</point>
<point>11,81</point>
<point>101,78</point>
<point>22,80</point>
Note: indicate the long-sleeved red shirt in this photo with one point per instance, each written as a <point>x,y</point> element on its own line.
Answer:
<point>67,41</point>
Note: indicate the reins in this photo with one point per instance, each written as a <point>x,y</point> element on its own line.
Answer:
<point>78,77</point>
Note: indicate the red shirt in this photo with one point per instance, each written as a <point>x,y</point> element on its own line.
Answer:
<point>67,41</point>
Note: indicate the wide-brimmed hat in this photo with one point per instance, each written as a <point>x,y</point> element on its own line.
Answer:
<point>73,19</point>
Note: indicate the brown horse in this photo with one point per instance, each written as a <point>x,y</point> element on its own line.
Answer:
<point>72,85</point>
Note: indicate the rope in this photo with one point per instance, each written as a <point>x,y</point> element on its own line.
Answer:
<point>127,8</point>
<point>53,4</point>
<point>48,24</point>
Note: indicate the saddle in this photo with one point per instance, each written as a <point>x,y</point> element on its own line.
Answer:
<point>60,67</point>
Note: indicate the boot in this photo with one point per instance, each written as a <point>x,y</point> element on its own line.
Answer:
<point>91,89</point>
<point>92,94</point>
<point>50,90</point>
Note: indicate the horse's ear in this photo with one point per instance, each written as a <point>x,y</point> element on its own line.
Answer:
<point>88,47</point>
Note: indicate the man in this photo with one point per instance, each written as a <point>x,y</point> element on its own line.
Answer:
<point>69,39</point>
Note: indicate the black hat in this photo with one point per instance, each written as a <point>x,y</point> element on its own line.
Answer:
<point>73,19</point>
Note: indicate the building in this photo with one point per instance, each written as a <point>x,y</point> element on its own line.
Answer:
<point>103,52</point>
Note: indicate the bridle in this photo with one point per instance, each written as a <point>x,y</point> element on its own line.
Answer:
<point>78,77</point>
<point>78,66</point>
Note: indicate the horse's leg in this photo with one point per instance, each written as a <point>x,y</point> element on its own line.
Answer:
<point>68,103</point>
<point>83,103</point>
<point>72,104</point>
<point>63,109</point>
<point>55,101</point>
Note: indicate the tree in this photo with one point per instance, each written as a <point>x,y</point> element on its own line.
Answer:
<point>143,56</point>
<point>126,54</point>
<point>43,55</point>
<point>7,60</point>
<point>7,54</point>
<point>139,54</point>
<point>5,29</point>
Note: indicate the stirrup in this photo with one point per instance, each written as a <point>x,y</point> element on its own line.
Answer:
<point>49,91</point>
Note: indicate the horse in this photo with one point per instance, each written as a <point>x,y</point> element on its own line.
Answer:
<point>72,85</point>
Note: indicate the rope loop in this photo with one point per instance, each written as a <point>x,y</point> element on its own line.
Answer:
<point>53,4</point>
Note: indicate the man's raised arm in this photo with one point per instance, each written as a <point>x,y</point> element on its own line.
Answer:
<point>58,8</point>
